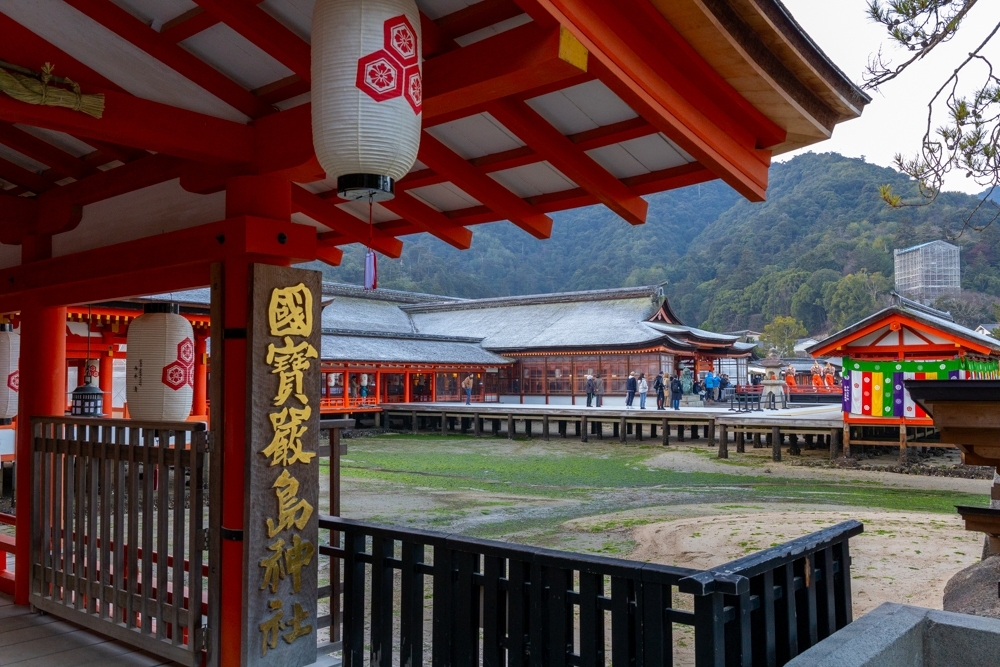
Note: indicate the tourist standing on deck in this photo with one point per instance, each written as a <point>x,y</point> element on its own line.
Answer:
<point>599,390</point>
<point>658,387</point>
<point>590,386</point>
<point>676,389</point>
<point>710,383</point>
<point>467,386</point>
<point>643,388</point>
<point>630,388</point>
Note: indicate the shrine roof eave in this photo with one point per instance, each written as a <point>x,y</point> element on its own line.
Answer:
<point>964,339</point>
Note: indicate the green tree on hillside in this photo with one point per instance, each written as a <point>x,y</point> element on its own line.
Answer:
<point>781,334</point>
<point>856,296</point>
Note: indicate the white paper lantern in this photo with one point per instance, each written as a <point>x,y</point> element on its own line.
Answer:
<point>160,365</point>
<point>367,93</point>
<point>10,377</point>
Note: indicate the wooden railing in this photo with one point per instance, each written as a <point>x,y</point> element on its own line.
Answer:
<point>480,602</point>
<point>118,529</point>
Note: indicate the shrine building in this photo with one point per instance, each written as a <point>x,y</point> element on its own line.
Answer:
<point>151,147</point>
<point>905,341</point>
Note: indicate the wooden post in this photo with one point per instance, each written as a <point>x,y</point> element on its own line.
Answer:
<point>710,431</point>
<point>622,429</point>
<point>496,426</point>
<point>847,440</point>
<point>545,428</point>
<point>477,425</point>
<point>757,444</point>
<point>666,432</point>
<point>527,428</point>
<point>775,443</point>
<point>723,441</point>
<point>652,431</point>
<point>413,421</point>
<point>106,376</point>
<point>902,443</point>
<point>199,400</point>
<point>835,445</point>
<point>444,423</point>
<point>583,428</point>
<point>680,433</point>
<point>741,447</point>
<point>562,428</point>
<point>638,431</point>
<point>42,393</point>
<point>510,427</point>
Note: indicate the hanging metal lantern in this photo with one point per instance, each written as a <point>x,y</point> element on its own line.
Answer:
<point>367,93</point>
<point>87,400</point>
<point>160,364</point>
<point>10,378</point>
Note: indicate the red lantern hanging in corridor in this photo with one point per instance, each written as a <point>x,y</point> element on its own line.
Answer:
<point>10,378</point>
<point>160,365</point>
<point>366,93</point>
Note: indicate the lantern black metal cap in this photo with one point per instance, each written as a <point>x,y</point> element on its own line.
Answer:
<point>6,326</point>
<point>354,187</point>
<point>172,308</point>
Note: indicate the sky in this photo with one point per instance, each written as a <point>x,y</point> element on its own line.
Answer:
<point>896,119</point>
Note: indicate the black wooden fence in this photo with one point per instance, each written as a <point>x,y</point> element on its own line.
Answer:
<point>415,597</point>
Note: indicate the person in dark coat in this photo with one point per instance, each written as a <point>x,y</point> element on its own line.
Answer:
<point>659,387</point>
<point>676,389</point>
<point>631,385</point>
<point>599,390</point>
<point>589,386</point>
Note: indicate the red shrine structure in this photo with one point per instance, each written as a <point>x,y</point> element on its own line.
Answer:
<point>151,147</point>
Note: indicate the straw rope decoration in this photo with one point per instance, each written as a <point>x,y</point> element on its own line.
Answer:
<point>36,88</point>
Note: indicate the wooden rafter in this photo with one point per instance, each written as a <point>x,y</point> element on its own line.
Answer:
<point>169,53</point>
<point>568,158</point>
<point>426,219</point>
<point>476,17</point>
<point>509,206</point>
<point>59,161</point>
<point>29,180</point>
<point>265,31</point>
<point>356,231</point>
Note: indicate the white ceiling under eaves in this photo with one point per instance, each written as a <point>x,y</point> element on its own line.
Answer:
<point>118,60</point>
<point>155,12</point>
<point>475,136</point>
<point>359,209</point>
<point>60,140</point>
<point>491,30</point>
<point>639,156</point>
<point>296,15</point>
<point>435,9</point>
<point>531,180</point>
<point>583,107</point>
<point>444,197</point>
<point>158,209</point>
<point>10,255</point>
<point>22,160</point>
<point>235,56</point>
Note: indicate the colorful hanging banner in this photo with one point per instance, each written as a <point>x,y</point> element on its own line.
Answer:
<point>875,388</point>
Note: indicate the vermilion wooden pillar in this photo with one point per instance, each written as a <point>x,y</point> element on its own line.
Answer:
<point>266,197</point>
<point>42,393</point>
<point>199,402</point>
<point>106,378</point>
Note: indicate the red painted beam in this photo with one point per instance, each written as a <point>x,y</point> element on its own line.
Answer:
<point>518,157</point>
<point>327,213</point>
<point>443,160</point>
<point>476,17</point>
<point>166,51</point>
<point>428,220</point>
<point>513,62</point>
<point>137,122</point>
<point>26,179</point>
<point>166,262</point>
<point>626,43</point>
<point>265,31</point>
<point>142,173</point>
<point>57,160</point>
<point>188,24</point>
<point>568,158</point>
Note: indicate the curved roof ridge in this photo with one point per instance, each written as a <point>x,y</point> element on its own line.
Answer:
<point>611,294</point>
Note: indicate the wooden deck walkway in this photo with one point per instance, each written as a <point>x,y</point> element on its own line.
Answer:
<point>39,640</point>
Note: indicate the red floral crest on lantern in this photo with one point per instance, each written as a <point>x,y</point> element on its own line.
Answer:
<point>393,70</point>
<point>180,372</point>
<point>14,380</point>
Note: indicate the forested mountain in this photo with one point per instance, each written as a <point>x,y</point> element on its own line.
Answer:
<point>819,249</point>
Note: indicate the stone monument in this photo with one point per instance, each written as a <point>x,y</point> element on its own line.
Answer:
<point>772,382</point>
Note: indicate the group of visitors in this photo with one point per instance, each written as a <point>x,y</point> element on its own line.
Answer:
<point>712,387</point>
<point>594,386</point>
